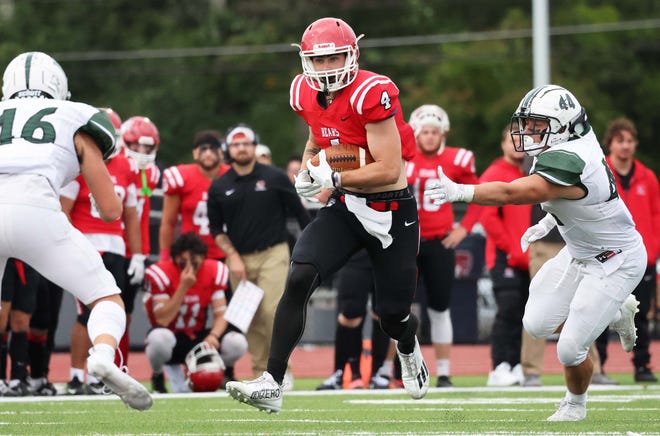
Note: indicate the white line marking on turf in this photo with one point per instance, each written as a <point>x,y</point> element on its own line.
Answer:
<point>635,390</point>
<point>500,400</point>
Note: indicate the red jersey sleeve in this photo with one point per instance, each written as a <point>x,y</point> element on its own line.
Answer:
<point>376,99</point>
<point>157,283</point>
<point>172,181</point>
<point>654,249</point>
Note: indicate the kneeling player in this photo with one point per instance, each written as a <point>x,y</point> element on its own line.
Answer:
<point>181,290</point>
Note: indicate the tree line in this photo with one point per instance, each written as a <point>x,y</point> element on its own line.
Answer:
<point>198,64</point>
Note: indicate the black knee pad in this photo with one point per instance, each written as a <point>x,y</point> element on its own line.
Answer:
<point>393,324</point>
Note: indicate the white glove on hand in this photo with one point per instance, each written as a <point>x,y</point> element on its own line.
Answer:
<point>444,190</point>
<point>321,174</point>
<point>136,269</point>
<point>304,185</point>
<point>537,231</point>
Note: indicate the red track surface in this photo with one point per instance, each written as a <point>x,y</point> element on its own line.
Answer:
<point>318,361</point>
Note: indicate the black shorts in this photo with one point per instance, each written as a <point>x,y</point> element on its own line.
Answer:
<point>115,264</point>
<point>47,310</point>
<point>336,234</point>
<point>508,278</point>
<point>19,286</point>
<point>436,267</point>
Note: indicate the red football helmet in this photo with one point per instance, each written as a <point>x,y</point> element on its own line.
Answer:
<point>116,122</point>
<point>324,37</point>
<point>205,368</point>
<point>143,132</point>
<point>114,117</point>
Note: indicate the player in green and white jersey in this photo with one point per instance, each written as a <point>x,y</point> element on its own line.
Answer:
<point>45,142</point>
<point>588,285</point>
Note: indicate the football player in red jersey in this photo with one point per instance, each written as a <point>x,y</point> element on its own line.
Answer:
<point>508,267</point>
<point>370,208</point>
<point>185,190</point>
<point>181,290</point>
<point>140,140</point>
<point>108,239</point>
<point>439,236</point>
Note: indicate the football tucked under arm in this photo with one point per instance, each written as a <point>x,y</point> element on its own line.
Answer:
<point>343,157</point>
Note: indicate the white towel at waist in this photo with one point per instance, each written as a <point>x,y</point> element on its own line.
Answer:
<point>377,224</point>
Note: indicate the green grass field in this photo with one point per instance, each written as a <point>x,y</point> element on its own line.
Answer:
<point>469,409</point>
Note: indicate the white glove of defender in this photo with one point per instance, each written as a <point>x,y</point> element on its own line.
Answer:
<point>321,174</point>
<point>444,190</point>
<point>136,269</point>
<point>537,231</point>
<point>304,185</point>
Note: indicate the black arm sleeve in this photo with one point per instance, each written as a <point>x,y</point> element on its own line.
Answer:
<point>214,209</point>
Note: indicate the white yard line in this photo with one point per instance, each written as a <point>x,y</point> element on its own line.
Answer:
<point>640,392</point>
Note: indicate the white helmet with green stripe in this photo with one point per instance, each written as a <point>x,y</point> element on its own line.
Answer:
<point>34,75</point>
<point>548,112</point>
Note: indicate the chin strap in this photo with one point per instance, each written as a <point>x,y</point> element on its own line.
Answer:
<point>146,191</point>
<point>578,125</point>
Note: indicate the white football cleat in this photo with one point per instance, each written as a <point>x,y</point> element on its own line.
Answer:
<point>625,326</point>
<point>517,371</point>
<point>287,382</point>
<point>131,392</point>
<point>334,382</point>
<point>264,393</point>
<point>502,376</point>
<point>568,411</point>
<point>414,373</point>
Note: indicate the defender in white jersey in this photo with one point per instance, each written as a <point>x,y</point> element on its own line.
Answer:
<point>588,285</point>
<point>45,142</point>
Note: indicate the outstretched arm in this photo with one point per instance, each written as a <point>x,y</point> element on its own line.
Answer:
<point>525,190</point>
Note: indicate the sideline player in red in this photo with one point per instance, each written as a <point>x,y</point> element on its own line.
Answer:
<point>181,290</point>
<point>638,187</point>
<point>108,239</point>
<point>370,208</point>
<point>508,266</point>
<point>140,140</point>
<point>439,236</point>
<point>185,190</point>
